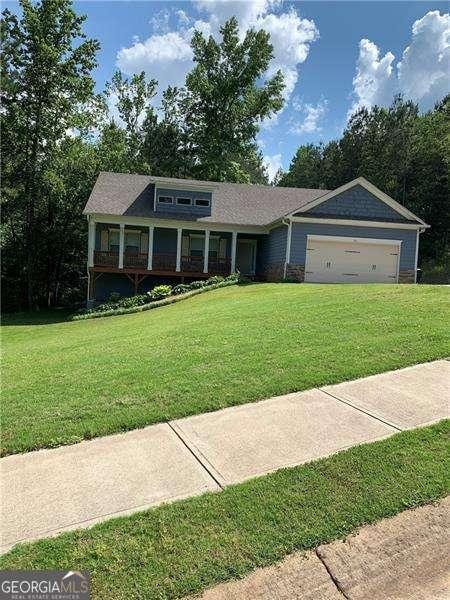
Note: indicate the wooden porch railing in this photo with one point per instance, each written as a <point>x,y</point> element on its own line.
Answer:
<point>106,258</point>
<point>136,261</point>
<point>162,262</point>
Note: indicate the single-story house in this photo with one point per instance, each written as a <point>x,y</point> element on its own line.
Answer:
<point>144,228</point>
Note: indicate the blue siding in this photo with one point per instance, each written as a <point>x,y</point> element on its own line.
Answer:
<point>180,209</point>
<point>301,230</point>
<point>358,203</point>
<point>276,247</point>
<point>164,241</point>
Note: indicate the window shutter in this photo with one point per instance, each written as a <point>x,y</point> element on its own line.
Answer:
<point>104,240</point>
<point>222,248</point>
<point>185,245</point>
<point>144,243</point>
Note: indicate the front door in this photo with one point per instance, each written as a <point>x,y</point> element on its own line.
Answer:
<point>246,256</point>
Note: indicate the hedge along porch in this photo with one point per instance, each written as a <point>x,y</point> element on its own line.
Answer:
<point>145,229</point>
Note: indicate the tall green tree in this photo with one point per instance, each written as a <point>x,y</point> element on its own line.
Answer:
<point>225,102</point>
<point>46,89</point>
<point>403,152</point>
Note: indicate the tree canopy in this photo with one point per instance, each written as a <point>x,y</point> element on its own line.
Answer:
<point>404,153</point>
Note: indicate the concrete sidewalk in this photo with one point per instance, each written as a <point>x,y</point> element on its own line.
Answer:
<point>49,491</point>
<point>406,557</point>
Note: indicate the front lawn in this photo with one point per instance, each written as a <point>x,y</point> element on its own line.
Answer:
<point>182,548</point>
<point>65,381</point>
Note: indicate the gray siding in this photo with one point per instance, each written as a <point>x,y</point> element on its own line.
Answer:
<point>276,247</point>
<point>357,203</point>
<point>182,210</point>
<point>301,230</point>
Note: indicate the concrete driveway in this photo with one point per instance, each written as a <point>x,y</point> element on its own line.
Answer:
<point>49,491</point>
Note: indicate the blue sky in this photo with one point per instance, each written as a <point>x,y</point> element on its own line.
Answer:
<point>335,55</point>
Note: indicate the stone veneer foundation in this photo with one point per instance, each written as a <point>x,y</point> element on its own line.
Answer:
<point>406,276</point>
<point>295,272</point>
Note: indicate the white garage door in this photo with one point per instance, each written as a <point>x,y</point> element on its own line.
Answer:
<point>332,259</point>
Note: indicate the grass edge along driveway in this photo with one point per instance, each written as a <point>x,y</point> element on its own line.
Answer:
<point>185,547</point>
<point>68,381</point>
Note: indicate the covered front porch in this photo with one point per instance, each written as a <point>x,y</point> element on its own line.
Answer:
<point>142,251</point>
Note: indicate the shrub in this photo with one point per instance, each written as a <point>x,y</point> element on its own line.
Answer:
<point>215,279</point>
<point>181,288</point>
<point>436,271</point>
<point>161,291</point>
<point>114,297</point>
<point>195,285</point>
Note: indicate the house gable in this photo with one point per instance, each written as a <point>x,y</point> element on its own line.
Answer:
<point>356,203</point>
<point>358,200</point>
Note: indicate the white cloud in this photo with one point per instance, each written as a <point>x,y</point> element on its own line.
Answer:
<point>272,164</point>
<point>422,74</point>
<point>167,56</point>
<point>312,114</point>
<point>424,71</point>
<point>290,37</point>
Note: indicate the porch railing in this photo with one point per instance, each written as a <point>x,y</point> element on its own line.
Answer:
<point>162,262</point>
<point>136,261</point>
<point>106,258</point>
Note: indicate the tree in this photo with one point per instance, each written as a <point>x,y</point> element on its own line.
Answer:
<point>224,105</point>
<point>404,153</point>
<point>132,98</point>
<point>305,169</point>
<point>47,87</point>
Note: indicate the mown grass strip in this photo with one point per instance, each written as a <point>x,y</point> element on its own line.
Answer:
<point>182,548</point>
<point>68,381</point>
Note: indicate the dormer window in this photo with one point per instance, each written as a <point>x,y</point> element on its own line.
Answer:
<point>201,202</point>
<point>165,200</point>
<point>184,201</point>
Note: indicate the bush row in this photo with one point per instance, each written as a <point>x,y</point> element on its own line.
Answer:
<point>160,295</point>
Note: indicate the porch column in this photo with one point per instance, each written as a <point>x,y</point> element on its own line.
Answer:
<point>233,251</point>
<point>206,254</point>
<point>121,244</point>
<point>179,234</point>
<point>151,229</point>
<point>91,242</point>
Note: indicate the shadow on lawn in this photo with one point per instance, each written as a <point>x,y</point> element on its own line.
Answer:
<point>37,317</point>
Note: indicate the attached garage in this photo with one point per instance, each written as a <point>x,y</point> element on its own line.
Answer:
<point>333,259</point>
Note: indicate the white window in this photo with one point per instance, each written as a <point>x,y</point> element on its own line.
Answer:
<point>184,201</point>
<point>132,242</point>
<point>197,246</point>
<point>165,199</point>
<point>201,202</point>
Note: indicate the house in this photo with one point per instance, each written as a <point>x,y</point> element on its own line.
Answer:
<point>143,229</point>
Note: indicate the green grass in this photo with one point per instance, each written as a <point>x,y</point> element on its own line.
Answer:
<point>65,381</point>
<point>184,547</point>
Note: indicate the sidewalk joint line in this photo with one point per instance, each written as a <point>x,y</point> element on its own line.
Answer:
<point>183,441</point>
<point>361,410</point>
<point>332,577</point>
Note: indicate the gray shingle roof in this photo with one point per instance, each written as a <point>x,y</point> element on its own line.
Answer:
<point>233,203</point>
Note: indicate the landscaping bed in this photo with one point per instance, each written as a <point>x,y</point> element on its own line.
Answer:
<point>185,547</point>
<point>161,295</point>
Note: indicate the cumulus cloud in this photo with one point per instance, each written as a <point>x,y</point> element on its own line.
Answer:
<point>167,56</point>
<point>422,74</point>
<point>272,164</point>
<point>312,114</point>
